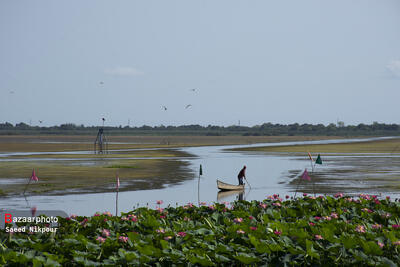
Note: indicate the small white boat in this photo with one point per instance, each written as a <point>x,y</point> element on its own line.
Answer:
<point>225,187</point>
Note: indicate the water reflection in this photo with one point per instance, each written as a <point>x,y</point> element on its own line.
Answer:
<point>222,195</point>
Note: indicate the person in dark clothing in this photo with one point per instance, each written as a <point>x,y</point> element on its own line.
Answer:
<point>241,175</point>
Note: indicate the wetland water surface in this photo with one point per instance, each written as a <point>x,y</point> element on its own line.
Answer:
<point>267,173</point>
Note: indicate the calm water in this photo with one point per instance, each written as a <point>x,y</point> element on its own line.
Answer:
<point>267,174</point>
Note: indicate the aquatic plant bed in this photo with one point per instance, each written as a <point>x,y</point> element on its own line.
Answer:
<point>310,231</point>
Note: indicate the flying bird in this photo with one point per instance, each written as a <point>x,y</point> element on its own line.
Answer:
<point>194,89</point>
<point>188,106</point>
<point>11,92</point>
<point>164,107</point>
<point>40,121</point>
<point>101,83</point>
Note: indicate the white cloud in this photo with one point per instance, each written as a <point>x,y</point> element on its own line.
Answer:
<point>394,68</point>
<point>124,71</point>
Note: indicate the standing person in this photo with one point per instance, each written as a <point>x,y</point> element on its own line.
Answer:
<point>241,175</point>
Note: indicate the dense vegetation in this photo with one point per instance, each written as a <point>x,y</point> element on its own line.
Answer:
<point>266,129</point>
<point>308,231</point>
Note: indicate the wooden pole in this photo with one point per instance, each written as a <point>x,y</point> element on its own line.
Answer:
<point>30,179</point>
<point>198,191</point>
<point>247,182</point>
<point>116,204</point>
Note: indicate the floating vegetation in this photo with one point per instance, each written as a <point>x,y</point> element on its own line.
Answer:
<point>308,231</point>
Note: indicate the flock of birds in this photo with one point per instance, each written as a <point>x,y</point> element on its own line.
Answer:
<point>164,107</point>
<point>187,106</point>
<point>102,83</point>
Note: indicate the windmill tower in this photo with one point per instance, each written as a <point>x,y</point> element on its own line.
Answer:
<point>101,144</point>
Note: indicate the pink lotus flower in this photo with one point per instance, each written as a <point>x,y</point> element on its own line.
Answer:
<point>211,207</point>
<point>317,218</point>
<point>334,215</point>
<point>381,245</point>
<point>159,202</point>
<point>318,237</point>
<point>160,231</point>
<point>253,228</point>
<point>168,237</point>
<point>107,213</point>
<point>287,197</point>
<point>376,226</point>
<point>364,196</point>
<point>238,220</point>
<point>360,229</point>
<point>181,234</point>
<point>123,239</point>
<point>96,214</point>
<point>160,210</point>
<point>277,232</point>
<point>251,217</point>
<point>100,239</point>
<point>132,217</point>
<point>304,194</point>
<point>73,216</point>
<point>240,231</point>
<point>396,243</point>
<point>277,204</point>
<point>84,221</point>
<point>105,233</point>
<point>327,218</point>
<point>395,226</point>
<point>386,215</point>
<point>311,224</point>
<point>387,198</point>
<point>203,204</point>
<point>186,219</point>
<point>263,205</point>
<point>163,216</point>
<point>337,195</point>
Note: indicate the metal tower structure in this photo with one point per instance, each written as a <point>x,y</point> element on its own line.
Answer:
<point>101,144</point>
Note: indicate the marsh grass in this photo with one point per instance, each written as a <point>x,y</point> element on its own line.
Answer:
<point>93,174</point>
<point>86,143</point>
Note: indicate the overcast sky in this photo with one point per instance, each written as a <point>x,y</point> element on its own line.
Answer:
<point>254,61</point>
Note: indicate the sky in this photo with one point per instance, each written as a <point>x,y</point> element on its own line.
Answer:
<point>250,62</point>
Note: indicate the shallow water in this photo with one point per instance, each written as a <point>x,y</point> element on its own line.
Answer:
<point>267,173</point>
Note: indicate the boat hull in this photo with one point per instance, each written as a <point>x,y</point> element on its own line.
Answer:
<point>228,187</point>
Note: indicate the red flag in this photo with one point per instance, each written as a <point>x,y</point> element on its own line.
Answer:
<point>117,182</point>
<point>305,176</point>
<point>34,177</point>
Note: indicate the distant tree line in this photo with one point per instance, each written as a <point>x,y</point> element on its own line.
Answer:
<point>266,129</point>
